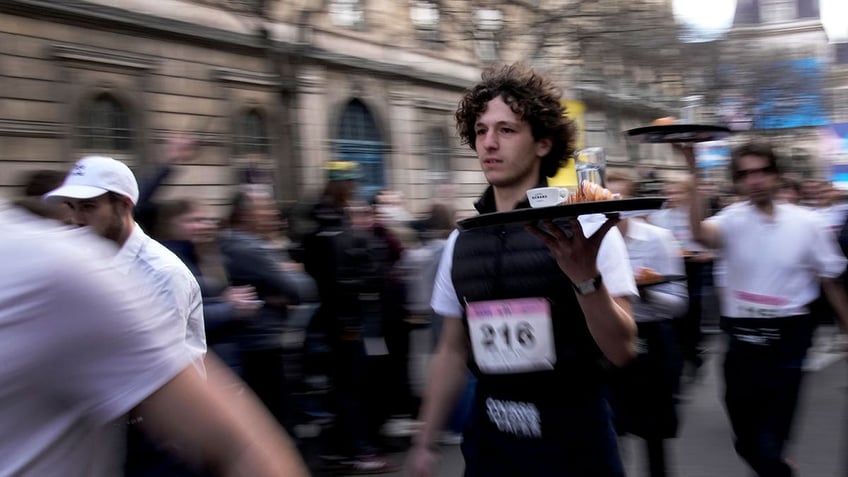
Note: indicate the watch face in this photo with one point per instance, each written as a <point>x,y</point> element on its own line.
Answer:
<point>588,286</point>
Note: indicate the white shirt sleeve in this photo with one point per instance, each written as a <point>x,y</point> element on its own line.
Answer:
<point>444,300</point>
<point>828,260</point>
<point>613,260</point>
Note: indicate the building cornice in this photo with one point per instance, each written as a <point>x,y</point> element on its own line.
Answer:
<point>27,128</point>
<point>776,29</point>
<point>384,68</point>
<point>104,16</point>
<point>203,138</point>
<point>435,105</point>
<point>103,56</point>
<point>246,78</point>
<point>111,17</point>
<point>598,94</point>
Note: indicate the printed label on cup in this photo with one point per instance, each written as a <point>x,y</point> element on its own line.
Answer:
<point>547,196</point>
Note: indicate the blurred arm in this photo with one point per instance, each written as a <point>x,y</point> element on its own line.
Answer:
<point>259,268</point>
<point>448,375</point>
<point>228,432</point>
<point>707,234</point>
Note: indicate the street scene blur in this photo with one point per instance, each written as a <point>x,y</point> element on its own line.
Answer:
<point>259,237</point>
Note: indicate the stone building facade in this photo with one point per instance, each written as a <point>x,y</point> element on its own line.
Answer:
<point>272,89</point>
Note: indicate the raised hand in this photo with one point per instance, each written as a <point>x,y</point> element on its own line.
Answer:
<point>179,148</point>
<point>575,253</point>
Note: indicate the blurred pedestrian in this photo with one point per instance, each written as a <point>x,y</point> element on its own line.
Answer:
<point>250,261</point>
<point>776,255</point>
<point>185,227</point>
<point>101,193</point>
<point>35,185</point>
<point>85,344</point>
<point>337,255</point>
<point>643,391</point>
<point>699,271</point>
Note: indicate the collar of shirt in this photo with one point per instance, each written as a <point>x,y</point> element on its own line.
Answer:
<point>132,247</point>
<point>763,219</point>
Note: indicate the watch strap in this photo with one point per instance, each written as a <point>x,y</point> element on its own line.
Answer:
<point>586,287</point>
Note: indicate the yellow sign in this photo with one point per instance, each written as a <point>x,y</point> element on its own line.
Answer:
<point>567,175</point>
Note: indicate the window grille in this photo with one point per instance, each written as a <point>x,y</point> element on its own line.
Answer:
<point>104,125</point>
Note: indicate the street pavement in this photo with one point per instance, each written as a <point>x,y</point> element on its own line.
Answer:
<point>704,447</point>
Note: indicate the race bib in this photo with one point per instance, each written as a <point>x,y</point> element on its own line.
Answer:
<point>511,336</point>
<point>752,305</point>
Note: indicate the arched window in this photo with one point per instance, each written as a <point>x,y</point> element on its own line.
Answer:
<point>104,125</point>
<point>438,159</point>
<point>252,134</point>
<point>359,140</point>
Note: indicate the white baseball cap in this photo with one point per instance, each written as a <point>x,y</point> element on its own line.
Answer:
<point>94,176</point>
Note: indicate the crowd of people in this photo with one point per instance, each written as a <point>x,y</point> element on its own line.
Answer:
<point>149,340</point>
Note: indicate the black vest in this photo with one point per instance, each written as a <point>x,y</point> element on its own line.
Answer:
<point>507,262</point>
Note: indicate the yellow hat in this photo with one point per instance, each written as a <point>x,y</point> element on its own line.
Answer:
<point>343,171</point>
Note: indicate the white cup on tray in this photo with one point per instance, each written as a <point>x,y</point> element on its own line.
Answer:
<point>547,196</point>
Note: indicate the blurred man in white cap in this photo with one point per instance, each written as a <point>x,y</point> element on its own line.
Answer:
<point>101,193</point>
<point>84,345</point>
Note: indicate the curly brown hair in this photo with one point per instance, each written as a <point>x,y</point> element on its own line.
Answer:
<point>532,97</point>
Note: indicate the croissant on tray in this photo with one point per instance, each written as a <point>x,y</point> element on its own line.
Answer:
<point>590,192</point>
<point>647,275</point>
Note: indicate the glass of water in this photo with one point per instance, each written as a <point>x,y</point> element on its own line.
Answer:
<point>591,164</point>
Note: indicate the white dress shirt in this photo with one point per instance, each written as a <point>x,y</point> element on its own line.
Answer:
<point>171,283</point>
<point>774,263</point>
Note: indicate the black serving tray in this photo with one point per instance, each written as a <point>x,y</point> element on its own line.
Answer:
<point>673,133</point>
<point>608,207</point>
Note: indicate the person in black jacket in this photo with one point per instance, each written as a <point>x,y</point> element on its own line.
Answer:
<point>342,259</point>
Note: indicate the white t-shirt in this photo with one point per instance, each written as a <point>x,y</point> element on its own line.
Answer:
<point>655,248</point>
<point>613,264</point>
<point>773,263</point>
<point>170,281</point>
<point>80,348</point>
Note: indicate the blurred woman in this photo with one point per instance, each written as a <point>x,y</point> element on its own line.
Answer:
<point>187,230</point>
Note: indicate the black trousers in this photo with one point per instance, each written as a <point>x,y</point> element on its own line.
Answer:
<point>263,370</point>
<point>762,386</point>
<point>688,327</point>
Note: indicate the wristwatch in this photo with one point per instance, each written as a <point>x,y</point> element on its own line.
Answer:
<point>588,286</point>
